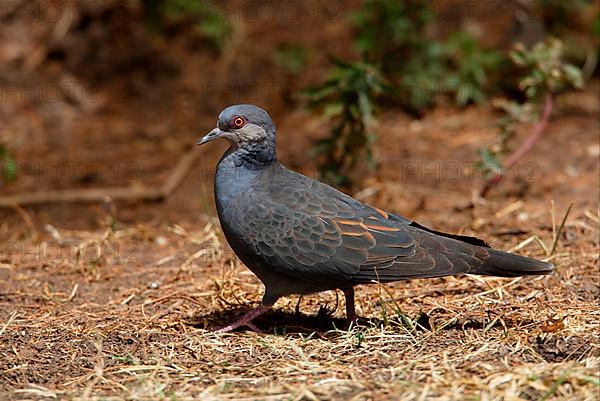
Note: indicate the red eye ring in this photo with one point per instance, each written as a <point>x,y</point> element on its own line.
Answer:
<point>238,122</point>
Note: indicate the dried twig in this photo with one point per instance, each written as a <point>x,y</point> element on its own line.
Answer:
<point>10,320</point>
<point>535,134</point>
<point>140,192</point>
<point>560,228</point>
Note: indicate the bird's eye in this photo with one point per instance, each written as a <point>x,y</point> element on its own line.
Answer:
<point>238,122</point>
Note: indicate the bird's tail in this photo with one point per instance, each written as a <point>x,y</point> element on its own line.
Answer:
<point>504,264</point>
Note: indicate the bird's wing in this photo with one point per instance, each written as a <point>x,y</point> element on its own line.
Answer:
<point>311,235</point>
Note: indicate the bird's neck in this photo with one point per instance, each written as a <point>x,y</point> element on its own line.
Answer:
<point>251,155</point>
<point>238,172</point>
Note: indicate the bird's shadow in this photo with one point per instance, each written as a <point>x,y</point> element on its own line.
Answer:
<point>324,324</point>
<point>282,323</point>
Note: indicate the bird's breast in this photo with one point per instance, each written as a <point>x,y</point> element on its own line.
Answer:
<point>234,183</point>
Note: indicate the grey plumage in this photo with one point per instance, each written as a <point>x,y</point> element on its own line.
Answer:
<point>299,235</point>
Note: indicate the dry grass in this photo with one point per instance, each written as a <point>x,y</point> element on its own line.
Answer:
<point>107,328</point>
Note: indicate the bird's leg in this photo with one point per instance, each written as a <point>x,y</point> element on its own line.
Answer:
<point>246,320</point>
<point>298,304</point>
<point>350,310</point>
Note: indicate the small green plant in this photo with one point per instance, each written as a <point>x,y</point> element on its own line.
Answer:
<point>393,35</point>
<point>391,32</point>
<point>544,73</point>
<point>128,359</point>
<point>8,165</point>
<point>347,97</point>
<point>211,22</point>
<point>470,68</point>
<point>291,58</point>
<point>359,336</point>
<point>458,69</point>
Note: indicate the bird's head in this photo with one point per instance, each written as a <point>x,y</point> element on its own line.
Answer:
<point>248,128</point>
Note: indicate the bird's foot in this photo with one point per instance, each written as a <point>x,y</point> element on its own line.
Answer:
<point>298,305</point>
<point>351,321</point>
<point>245,320</point>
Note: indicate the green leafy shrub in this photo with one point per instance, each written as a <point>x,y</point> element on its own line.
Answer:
<point>411,68</point>
<point>291,58</point>
<point>391,32</point>
<point>348,98</point>
<point>211,22</point>
<point>470,69</point>
<point>393,35</point>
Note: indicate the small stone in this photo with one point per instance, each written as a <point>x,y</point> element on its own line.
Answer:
<point>594,150</point>
<point>416,126</point>
<point>572,171</point>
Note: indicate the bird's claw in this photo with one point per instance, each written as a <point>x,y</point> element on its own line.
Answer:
<point>231,327</point>
<point>245,320</point>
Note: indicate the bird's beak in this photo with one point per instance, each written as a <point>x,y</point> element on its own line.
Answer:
<point>212,135</point>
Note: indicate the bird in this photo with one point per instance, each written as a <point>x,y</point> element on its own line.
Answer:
<point>300,236</point>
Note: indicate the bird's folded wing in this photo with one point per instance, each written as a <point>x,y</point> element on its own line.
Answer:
<point>312,237</point>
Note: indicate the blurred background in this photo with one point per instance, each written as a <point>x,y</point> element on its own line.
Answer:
<point>414,105</point>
